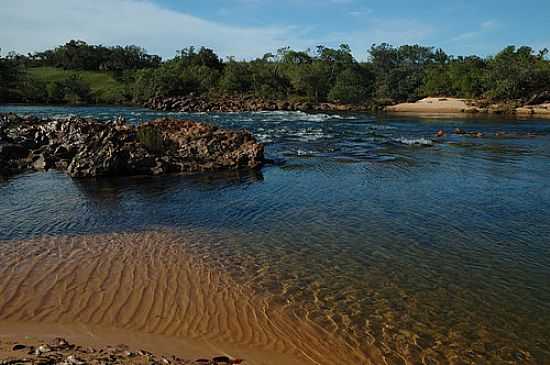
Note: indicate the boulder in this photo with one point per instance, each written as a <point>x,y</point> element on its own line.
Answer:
<point>540,98</point>
<point>195,104</point>
<point>89,148</point>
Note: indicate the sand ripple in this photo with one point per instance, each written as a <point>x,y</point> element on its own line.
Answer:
<point>148,283</point>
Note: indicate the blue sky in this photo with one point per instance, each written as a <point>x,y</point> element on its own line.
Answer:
<point>248,28</point>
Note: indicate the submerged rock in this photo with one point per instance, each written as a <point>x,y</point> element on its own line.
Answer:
<point>88,148</point>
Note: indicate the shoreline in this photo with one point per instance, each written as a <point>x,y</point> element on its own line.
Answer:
<point>145,290</point>
<point>467,107</point>
<point>430,106</point>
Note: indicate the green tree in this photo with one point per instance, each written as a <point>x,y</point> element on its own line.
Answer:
<point>72,90</point>
<point>236,78</point>
<point>10,74</point>
<point>352,86</point>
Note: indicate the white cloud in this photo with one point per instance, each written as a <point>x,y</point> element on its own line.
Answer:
<point>484,28</point>
<point>32,25</point>
<point>35,25</point>
<point>393,31</point>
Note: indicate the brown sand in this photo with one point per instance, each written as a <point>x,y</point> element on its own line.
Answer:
<point>146,291</point>
<point>433,105</point>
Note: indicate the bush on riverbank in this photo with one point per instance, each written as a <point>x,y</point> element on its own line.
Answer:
<point>81,73</point>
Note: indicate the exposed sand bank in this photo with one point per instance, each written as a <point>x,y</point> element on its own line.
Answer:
<point>144,290</point>
<point>433,105</point>
<point>541,109</point>
<point>457,106</point>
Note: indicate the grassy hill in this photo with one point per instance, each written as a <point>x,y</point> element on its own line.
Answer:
<point>104,87</point>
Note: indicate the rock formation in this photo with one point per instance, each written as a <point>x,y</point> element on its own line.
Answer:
<point>197,104</point>
<point>87,148</point>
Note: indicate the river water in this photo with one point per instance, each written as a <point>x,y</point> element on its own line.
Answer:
<point>435,250</point>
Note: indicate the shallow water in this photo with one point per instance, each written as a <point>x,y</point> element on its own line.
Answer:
<point>433,251</point>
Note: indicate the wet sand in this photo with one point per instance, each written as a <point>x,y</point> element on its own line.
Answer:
<point>144,290</point>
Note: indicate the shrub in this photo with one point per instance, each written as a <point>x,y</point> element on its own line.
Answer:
<point>151,137</point>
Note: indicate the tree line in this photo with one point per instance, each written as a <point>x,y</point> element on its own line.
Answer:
<point>390,74</point>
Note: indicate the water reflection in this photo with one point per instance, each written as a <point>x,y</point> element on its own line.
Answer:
<point>106,191</point>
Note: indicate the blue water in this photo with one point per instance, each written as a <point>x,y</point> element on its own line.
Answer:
<point>433,249</point>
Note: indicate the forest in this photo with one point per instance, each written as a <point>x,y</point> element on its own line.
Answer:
<point>79,73</point>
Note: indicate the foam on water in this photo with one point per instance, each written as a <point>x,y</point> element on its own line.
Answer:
<point>414,141</point>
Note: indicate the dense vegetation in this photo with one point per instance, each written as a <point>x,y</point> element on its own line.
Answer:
<point>82,73</point>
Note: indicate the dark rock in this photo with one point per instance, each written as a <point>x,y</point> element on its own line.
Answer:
<point>194,104</point>
<point>540,98</point>
<point>222,360</point>
<point>18,347</point>
<point>10,151</point>
<point>88,148</point>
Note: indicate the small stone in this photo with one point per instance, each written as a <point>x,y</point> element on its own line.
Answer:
<point>222,360</point>
<point>73,360</point>
<point>43,349</point>
<point>39,163</point>
<point>19,347</point>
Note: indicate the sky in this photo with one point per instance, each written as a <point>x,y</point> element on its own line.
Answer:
<point>250,28</point>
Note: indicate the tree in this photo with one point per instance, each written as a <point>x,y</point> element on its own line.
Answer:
<point>516,73</point>
<point>352,86</point>
<point>72,90</point>
<point>401,71</point>
<point>312,80</point>
<point>236,78</point>
<point>10,74</point>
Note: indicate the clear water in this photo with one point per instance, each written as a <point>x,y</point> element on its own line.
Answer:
<point>433,252</point>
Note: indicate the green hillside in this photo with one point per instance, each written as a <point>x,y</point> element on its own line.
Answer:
<point>103,87</point>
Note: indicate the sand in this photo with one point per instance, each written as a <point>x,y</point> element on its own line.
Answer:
<point>144,290</point>
<point>458,106</point>
<point>434,105</point>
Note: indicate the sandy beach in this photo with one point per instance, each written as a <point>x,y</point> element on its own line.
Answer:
<point>143,290</point>
<point>442,105</point>
<point>434,105</point>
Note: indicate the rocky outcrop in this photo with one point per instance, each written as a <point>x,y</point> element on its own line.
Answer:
<point>86,148</point>
<point>198,104</point>
<point>537,99</point>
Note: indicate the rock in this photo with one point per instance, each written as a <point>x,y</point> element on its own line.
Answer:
<point>18,347</point>
<point>88,148</point>
<point>194,104</point>
<point>440,133</point>
<point>39,163</point>
<point>540,98</point>
<point>222,360</point>
<point>73,360</point>
<point>43,349</point>
<point>11,151</point>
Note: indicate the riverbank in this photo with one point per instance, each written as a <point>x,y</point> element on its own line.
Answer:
<point>468,106</point>
<point>44,348</point>
<point>145,291</point>
<point>231,104</point>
